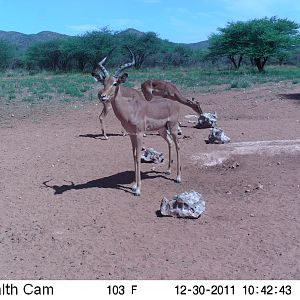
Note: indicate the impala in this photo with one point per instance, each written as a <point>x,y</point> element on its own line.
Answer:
<point>168,90</point>
<point>150,88</point>
<point>138,116</point>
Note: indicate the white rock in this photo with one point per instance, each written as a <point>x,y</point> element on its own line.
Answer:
<point>185,205</point>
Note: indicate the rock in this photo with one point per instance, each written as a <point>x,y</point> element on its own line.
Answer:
<point>185,205</point>
<point>207,120</point>
<point>149,155</point>
<point>259,187</point>
<point>217,136</point>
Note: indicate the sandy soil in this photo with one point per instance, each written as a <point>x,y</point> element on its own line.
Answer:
<point>67,211</point>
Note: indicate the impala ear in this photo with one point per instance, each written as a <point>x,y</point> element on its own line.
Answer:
<point>123,78</point>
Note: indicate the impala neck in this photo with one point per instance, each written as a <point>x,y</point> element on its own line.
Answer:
<point>116,103</point>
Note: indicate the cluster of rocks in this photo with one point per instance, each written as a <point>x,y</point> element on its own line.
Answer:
<point>216,135</point>
<point>188,204</point>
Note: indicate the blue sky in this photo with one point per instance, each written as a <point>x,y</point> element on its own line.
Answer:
<point>184,21</point>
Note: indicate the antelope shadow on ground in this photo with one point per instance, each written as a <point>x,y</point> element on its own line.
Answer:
<point>295,96</point>
<point>116,181</point>
<point>99,135</point>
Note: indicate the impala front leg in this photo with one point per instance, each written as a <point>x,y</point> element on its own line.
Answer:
<point>106,109</point>
<point>139,142</point>
<point>175,139</point>
<point>133,143</point>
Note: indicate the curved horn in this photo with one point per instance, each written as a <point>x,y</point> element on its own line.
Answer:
<point>105,72</point>
<point>100,64</point>
<point>125,66</point>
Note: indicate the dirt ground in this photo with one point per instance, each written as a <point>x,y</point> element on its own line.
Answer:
<point>67,211</point>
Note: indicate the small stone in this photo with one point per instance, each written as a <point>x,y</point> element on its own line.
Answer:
<point>52,166</point>
<point>247,191</point>
<point>251,215</point>
<point>12,115</point>
<point>259,187</point>
<point>228,193</point>
<point>279,163</point>
<point>235,165</point>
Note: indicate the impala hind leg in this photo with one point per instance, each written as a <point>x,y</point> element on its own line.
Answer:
<point>136,141</point>
<point>167,137</point>
<point>173,132</point>
<point>106,108</point>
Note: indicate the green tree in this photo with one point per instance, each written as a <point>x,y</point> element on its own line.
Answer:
<point>6,54</point>
<point>267,38</point>
<point>258,39</point>
<point>229,42</point>
<point>44,55</point>
<point>97,44</point>
<point>142,45</point>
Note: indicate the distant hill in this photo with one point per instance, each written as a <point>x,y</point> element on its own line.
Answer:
<point>22,41</point>
<point>199,45</point>
<point>132,31</point>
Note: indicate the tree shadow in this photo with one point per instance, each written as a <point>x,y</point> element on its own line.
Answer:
<point>294,96</point>
<point>116,181</point>
<point>99,136</point>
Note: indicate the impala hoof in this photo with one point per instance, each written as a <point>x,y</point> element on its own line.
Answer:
<point>168,172</point>
<point>134,187</point>
<point>178,179</point>
<point>137,192</point>
<point>105,137</point>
